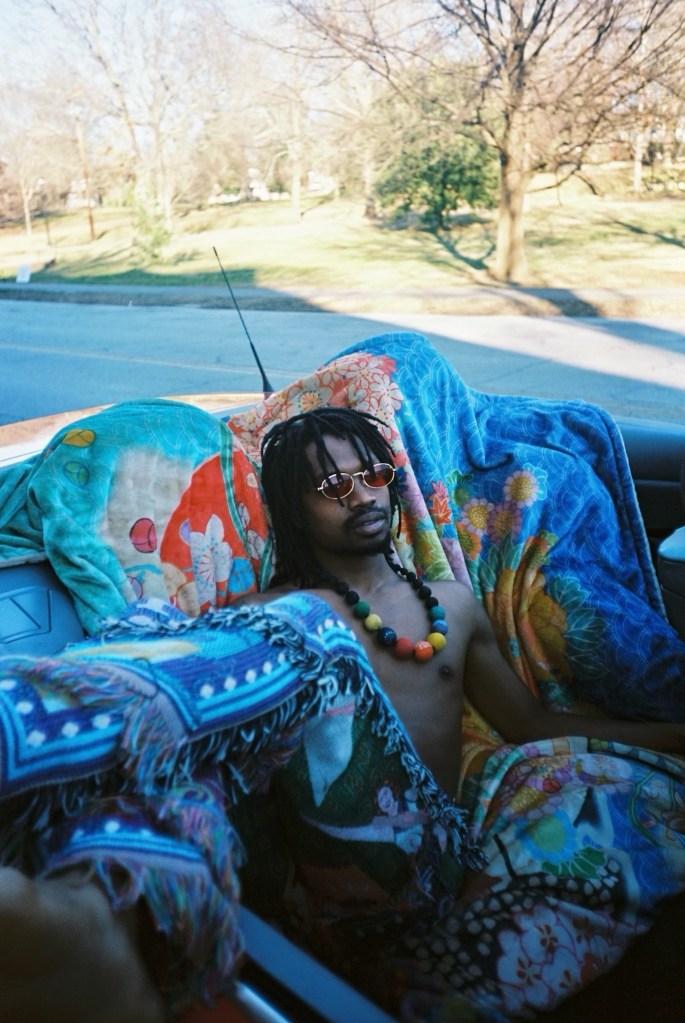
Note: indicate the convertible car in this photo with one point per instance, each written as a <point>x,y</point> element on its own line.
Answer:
<point>84,536</point>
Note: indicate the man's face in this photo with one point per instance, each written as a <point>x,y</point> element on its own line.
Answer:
<point>360,523</point>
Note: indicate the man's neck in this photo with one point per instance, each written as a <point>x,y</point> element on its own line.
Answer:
<point>362,572</point>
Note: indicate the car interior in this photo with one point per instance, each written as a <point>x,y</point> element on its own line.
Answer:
<point>278,981</point>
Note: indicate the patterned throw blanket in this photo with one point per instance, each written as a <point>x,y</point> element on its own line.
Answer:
<point>132,753</point>
<point>144,754</point>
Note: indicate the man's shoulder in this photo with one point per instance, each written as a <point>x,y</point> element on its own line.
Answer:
<point>457,598</point>
<point>453,588</point>
<point>266,597</point>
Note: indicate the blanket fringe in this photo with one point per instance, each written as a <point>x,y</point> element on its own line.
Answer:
<point>191,888</point>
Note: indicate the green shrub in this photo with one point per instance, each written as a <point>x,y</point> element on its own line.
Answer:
<point>435,180</point>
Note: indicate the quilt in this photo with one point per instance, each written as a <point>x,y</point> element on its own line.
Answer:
<point>555,855</point>
<point>145,500</point>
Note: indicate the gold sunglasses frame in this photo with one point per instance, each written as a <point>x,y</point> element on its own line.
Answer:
<point>350,476</point>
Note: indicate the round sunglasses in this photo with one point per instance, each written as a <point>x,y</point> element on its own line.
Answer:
<point>341,484</point>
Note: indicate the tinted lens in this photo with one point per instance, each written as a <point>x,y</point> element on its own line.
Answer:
<point>379,476</point>
<point>337,487</point>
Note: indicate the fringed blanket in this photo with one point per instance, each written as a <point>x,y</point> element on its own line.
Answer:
<point>531,503</point>
<point>130,756</point>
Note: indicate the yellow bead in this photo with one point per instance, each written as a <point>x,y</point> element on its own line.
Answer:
<point>437,640</point>
<point>372,622</point>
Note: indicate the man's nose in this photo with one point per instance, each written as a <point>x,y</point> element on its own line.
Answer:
<point>360,494</point>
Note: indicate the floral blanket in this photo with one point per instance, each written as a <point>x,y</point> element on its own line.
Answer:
<point>531,503</point>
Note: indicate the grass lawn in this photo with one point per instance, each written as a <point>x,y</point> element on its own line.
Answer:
<point>574,240</point>
<point>611,243</point>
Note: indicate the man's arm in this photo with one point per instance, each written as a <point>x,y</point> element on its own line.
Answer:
<point>66,958</point>
<point>509,706</point>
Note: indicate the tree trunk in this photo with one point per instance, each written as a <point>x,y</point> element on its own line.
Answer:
<point>296,161</point>
<point>296,186</point>
<point>26,203</point>
<point>163,197</point>
<point>168,208</point>
<point>638,154</point>
<point>86,175</point>
<point>510,257</point>
<point>369,179</point>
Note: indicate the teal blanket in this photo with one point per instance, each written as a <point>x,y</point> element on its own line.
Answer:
<point>149,499</point>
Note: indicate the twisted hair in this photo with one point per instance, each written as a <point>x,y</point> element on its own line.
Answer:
<point>286,472</point>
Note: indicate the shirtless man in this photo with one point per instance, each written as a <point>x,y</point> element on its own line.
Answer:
<point>330,485</point>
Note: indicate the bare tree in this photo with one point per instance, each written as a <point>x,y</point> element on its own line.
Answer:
<point>38,160</point>
<point>24,163</point>
<point>653,117</point>
<point>156,91</point>
<point>290,115</point>
<point>360,137</point>
<point>543,77</point>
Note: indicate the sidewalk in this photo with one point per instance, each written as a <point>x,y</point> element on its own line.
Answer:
<point>486,300</point>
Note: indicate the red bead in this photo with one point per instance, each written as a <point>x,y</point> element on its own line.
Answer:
<point>403,648</point>
<point>423,651</point>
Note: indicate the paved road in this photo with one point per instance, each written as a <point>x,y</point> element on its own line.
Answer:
<point>57,356</point>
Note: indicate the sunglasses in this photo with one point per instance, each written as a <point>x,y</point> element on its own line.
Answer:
<point>342,483</point>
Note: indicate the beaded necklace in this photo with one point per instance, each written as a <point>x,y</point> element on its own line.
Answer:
<point>399,646</point>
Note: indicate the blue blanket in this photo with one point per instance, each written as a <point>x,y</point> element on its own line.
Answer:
<point>532,502</point>
<point>145,500</point>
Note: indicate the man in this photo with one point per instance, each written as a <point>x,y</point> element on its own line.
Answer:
<point>331,487</point>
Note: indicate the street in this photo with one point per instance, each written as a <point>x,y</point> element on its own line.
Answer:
<point>59,356</point>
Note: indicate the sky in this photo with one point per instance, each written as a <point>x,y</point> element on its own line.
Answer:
<point>28,31</point>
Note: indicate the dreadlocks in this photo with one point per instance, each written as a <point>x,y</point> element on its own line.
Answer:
<point>286,472</point>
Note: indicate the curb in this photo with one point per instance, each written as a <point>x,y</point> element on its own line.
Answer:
<point>486,300</point>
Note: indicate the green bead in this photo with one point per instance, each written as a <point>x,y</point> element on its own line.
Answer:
<point>361,609</point>
<point>437,612</point>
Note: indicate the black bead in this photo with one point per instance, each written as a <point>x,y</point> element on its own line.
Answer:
<point>352,597</point>
<point>423,591</point>
<point>431,602</point>
<point>386,636</point>
<point>340,588</point>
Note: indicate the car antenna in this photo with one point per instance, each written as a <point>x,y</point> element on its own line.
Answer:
<point>268,389</point>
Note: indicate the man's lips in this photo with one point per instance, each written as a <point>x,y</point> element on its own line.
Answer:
<point>367,523</point>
